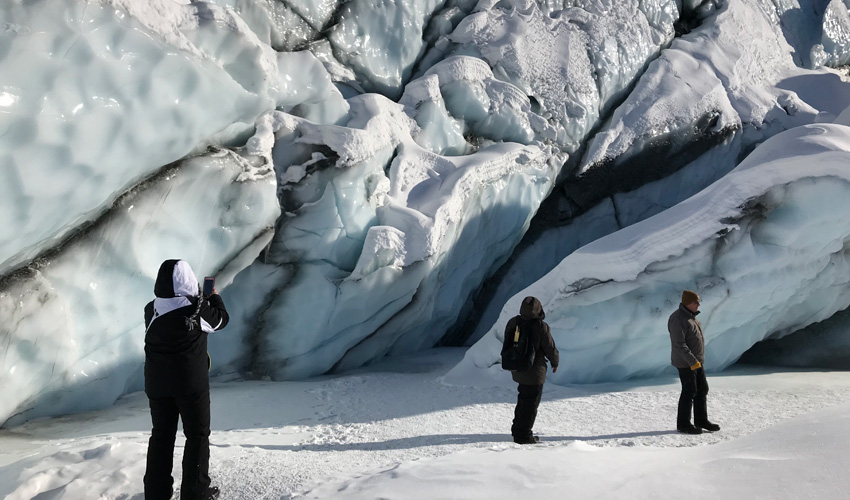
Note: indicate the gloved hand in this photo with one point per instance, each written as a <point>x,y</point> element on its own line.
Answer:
<point>696,366</point>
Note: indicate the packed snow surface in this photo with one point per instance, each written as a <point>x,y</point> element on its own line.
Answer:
<point>783,436</point>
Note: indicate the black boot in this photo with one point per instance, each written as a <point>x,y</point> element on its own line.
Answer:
<point>527,440</point>
<point>709,426</point>
<point>211,493</point>
<point>688,429</point>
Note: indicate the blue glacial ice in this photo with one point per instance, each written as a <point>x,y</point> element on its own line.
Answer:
<point>767,247</point>
<point>353,179</point>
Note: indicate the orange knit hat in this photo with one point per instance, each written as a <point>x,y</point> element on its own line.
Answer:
<point>689,297</point>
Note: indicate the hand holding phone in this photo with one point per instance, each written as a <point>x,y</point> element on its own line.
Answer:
<point>209,285</point>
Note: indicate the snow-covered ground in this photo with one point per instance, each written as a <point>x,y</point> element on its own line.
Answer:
<point>397,430</point>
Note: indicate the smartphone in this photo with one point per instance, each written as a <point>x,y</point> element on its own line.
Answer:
<point>209,285</point>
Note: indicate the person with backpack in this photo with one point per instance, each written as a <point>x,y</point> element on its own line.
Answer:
<point>688,356</point>
<point>528,344</point>
<point>177,381</point>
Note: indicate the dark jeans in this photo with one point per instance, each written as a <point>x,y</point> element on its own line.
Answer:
<point>526,410</point>
<point>694,392</point>
<point>195,413</point>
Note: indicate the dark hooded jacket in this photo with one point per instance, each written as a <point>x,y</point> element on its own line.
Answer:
<point>530,318</point>
<point>176,359</point>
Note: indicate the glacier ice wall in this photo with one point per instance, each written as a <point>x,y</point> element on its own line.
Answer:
<point>99,104</point>
<point>495,86</point>
<point>593,54</point>
<point>380,237</point>
<point>85,73</point>
<point>767,247</point>
<point>699,108</point>
<point>71,323</point>
<point>385,212</point>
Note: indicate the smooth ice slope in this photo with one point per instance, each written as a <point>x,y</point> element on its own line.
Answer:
<point>71,330</point>
<point>765,246</point>
<point>710,81</point>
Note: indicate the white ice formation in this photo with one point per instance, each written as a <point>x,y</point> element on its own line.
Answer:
<point>767,247</point>
<point>382,160</point>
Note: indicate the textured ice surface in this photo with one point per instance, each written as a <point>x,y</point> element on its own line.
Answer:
<point>94,100</point>
<point>766,247</point>
<point>575,61</point>
<point>834,49</point>
<point>392,213</point>
<point>71,331</point>
<point>698,108</point>
<point>383,238</point>
<point>709,80</point>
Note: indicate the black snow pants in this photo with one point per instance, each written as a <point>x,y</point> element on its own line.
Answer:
<point>195,413</point>
<point>526,410</point>
<point>694,392</point>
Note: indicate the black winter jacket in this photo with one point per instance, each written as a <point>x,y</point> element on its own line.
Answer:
<point>176,359</point>
<point>531,317</point>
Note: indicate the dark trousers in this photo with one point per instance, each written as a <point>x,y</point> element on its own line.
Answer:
<point>195,413</point>
<point>526,410</point>
<point>694,392</point>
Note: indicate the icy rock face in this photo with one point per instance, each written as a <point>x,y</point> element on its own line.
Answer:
<point>384,237</point>
<point>393,213</point>
<point>399,24</point>
<point>139,85</point>
<point>71,331</point>
<point>135,89</point>
<point>592,53</point>
<point>722,84</point>
<point>766,247</point>
<point>834,49</point>
<point>286,26</point>
<point>695,111</point>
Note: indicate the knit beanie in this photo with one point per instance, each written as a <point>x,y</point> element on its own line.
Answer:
<point>689,297</point>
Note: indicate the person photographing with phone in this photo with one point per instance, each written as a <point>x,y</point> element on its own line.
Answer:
<point>177,383</point>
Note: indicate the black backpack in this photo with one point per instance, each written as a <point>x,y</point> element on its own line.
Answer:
<point>518,350</point>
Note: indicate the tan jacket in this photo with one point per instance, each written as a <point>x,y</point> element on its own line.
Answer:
<point>686,339</point>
